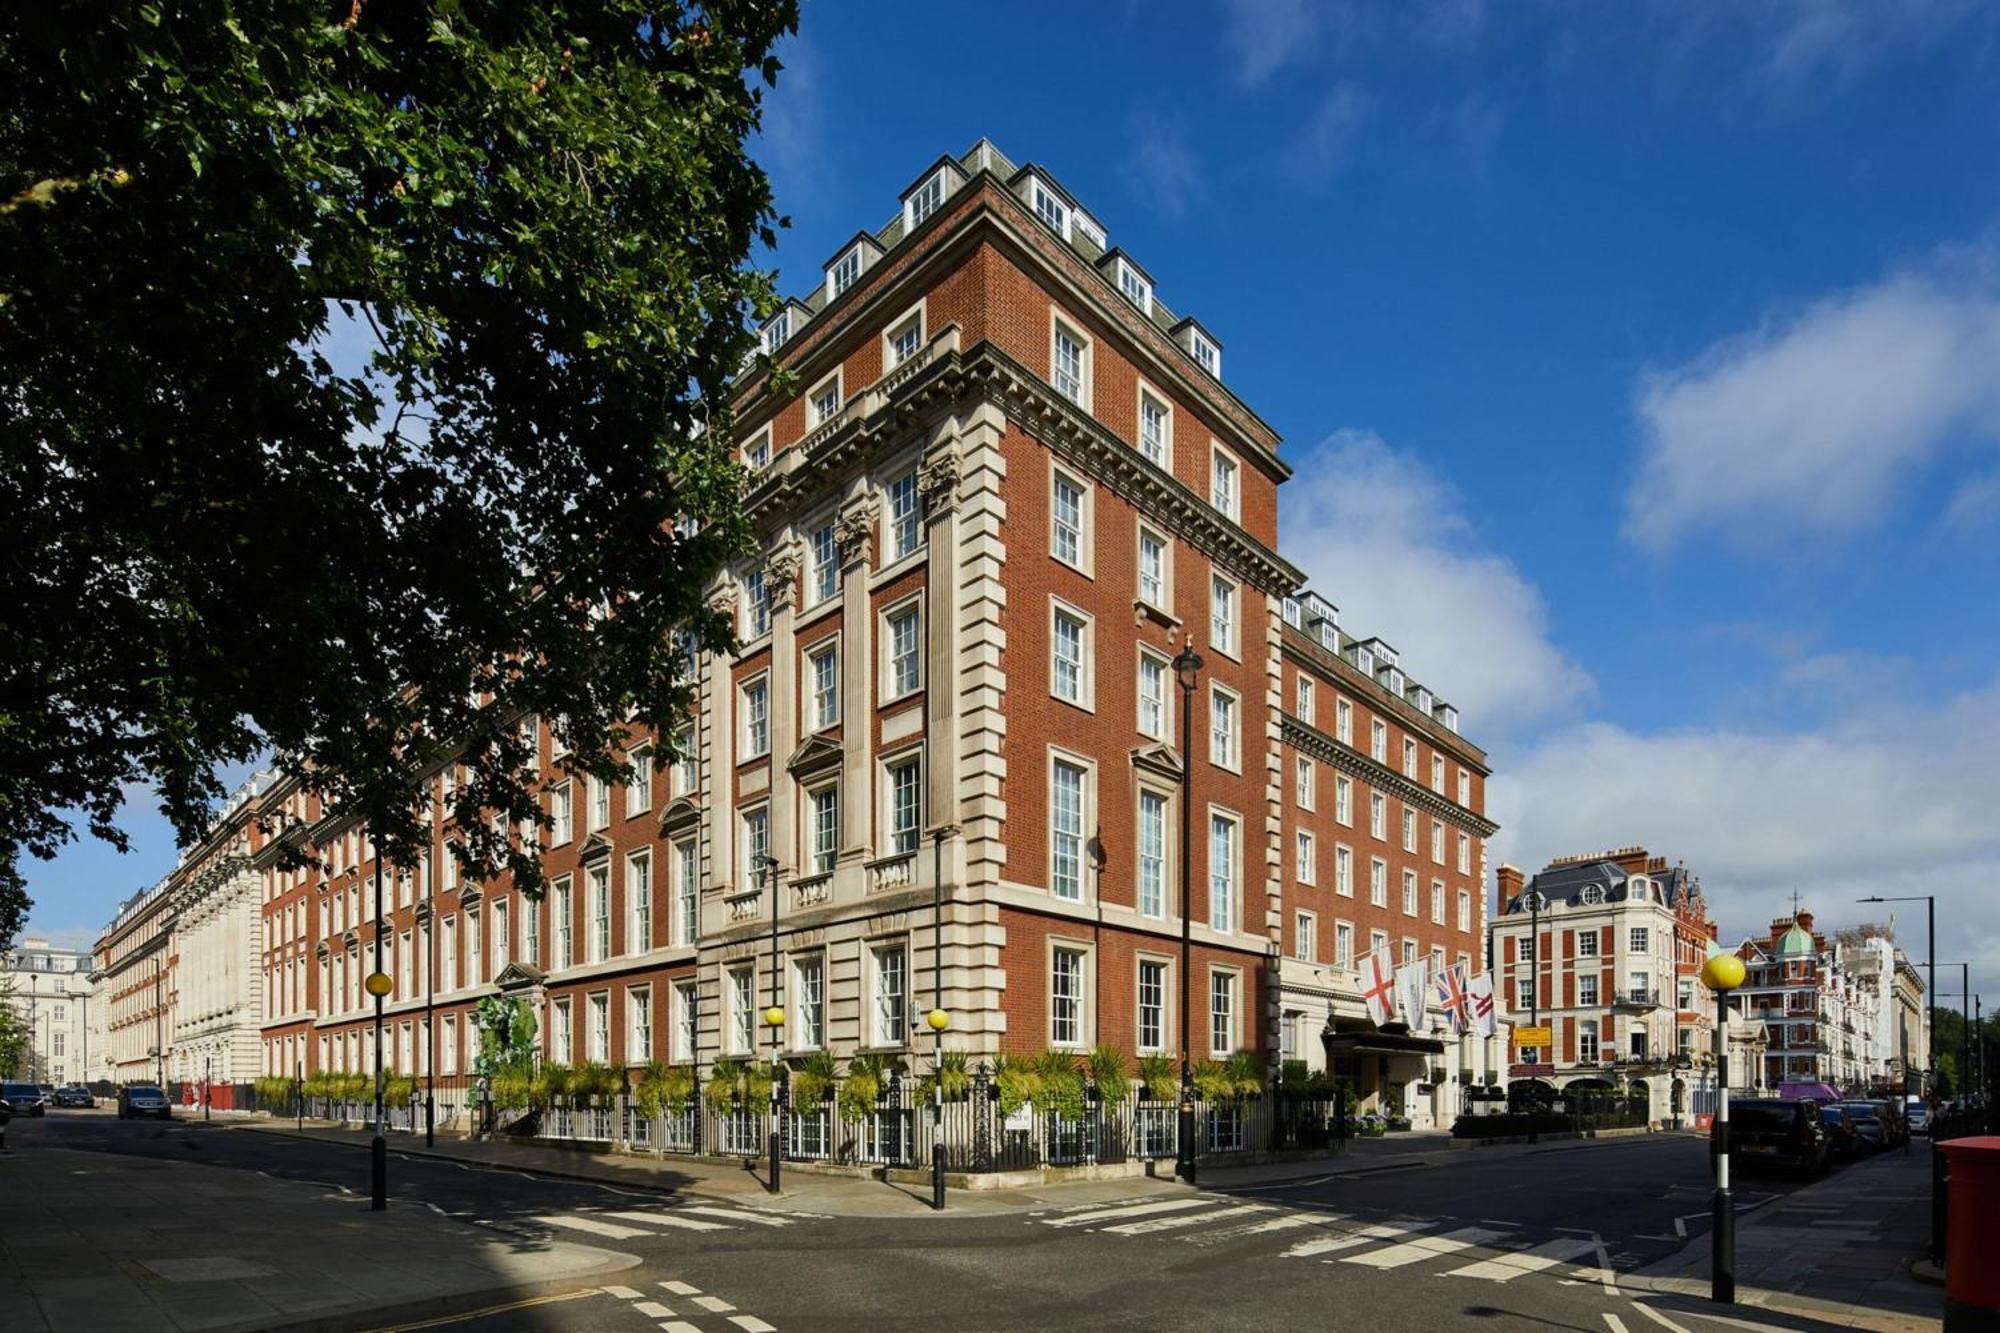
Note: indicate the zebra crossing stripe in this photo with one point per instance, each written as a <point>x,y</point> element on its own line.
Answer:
<point>1307,1249</point>
<point>1424,1247</point>
<point>1507,1267</point>
<point>607,1229</point>
<point>1125,1210</point>
<point>1153,1224</point>
<point>1287,1222</point>
<point>736,1215</point>
<point>664,1218</point>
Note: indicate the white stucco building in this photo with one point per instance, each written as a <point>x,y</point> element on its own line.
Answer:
<point>49,986</point>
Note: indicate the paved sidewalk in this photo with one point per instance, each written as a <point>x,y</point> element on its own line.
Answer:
<point>1837,1251</point>
<point>99,1242</point>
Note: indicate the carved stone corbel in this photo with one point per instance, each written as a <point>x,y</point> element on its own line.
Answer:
<point>781,578</point>
<point>937,483</point>
<point>854,531</point>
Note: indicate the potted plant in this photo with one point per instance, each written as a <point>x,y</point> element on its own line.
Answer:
<point>1159,1080</point>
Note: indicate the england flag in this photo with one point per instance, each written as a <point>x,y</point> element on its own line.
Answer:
<point>1378,986</point>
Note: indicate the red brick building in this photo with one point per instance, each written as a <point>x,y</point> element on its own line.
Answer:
<point>1012,486</point>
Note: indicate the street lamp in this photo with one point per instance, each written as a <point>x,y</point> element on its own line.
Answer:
<point>1722,973</point>
<point>774,1018</point>
<point>1187,671</point>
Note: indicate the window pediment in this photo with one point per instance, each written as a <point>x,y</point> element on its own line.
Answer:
<point>1159,759</point>
<point>680,814</point>
<point>816,755</point>
<point>595,848</point>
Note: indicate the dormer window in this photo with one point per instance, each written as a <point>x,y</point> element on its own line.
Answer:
<point>1329,635</point>
<point>844,273</point>
<point>1449,716</point>
<point>1206,354</point>
<point>1396,681</point>
<point>1292,611</point>
<point>1136,289</point>
<point>928,199</point>
<point>778,331</point>
<point>1365,659</point>
<point>1052,210</point>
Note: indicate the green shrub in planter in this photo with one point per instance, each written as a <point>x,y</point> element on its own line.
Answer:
<point>551,1084</point>
<point>594,1084</point>
<point>1017,1081</point>
<point>512,1088</point>
<point>676,1087</point>
<point>1107,1070</point>
<point>1159,1079</point>
<point>813,1079</point>
<point>725,1084</point>
<point>866,1083</point>
<point>1061,1084</point>
<point>399,1090</point>
<point>646,1090</point>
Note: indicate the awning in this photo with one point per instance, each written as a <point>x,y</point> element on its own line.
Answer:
<point>1380,1043</point>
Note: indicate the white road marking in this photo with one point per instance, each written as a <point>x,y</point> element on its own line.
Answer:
<point>679,1326</point>
<point>1617,1324</point>
<point>664,1218</point>
<point>1424,1247</point>
<point>1604,1267</point>
<point>1125,1210</point>
<point>623,1293</point>
<point>714,1303</point>
<point>1659,1318</point>
<point>594,1227</point>
<point>653,1310</point>
<point>750,1323</point>
<point>1306,1249</point>
<point>1153,1224</point>
<point>1507,1267</point>
<point>738,1215</point>
<point>1287,1222</point>
<point>681,1289</point>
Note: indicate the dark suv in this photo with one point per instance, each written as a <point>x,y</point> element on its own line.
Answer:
<point>143,1099</point>
<point>1778,1132</point>
<point>24,1098</point>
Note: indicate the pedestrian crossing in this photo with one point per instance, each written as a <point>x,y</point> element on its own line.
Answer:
<point>639,1223</point>
<point>1489,1251</point>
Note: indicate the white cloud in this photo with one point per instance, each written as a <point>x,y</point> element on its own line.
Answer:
<point>1384,538</point>
<point>1326,140</point>
<point>791,135</point>
<point>1161,169</point>
<point>1262,36</point>
<point>1884,798</point>
<point>1813,426</point>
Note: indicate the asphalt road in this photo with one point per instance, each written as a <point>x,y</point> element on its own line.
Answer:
<point>1516,1241</point>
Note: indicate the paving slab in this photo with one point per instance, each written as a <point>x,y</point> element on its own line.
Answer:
<point>234,1250</point>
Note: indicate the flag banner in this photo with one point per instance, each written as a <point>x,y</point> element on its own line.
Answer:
<point>1413,985</point>
<point>1482,1003</point>
<point>1378,986</point>
<point>1454,998</point>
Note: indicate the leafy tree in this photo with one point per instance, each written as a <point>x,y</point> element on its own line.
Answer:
<point>15,1048</point>
<point>528,223</point>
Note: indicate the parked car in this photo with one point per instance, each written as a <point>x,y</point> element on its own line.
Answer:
<point>1843,1141</point>
<point>1777,1132</point>
<point>1895,1130</point>
<point>143,1099</point>
<point>24,1098</point>
<point>1920,1117</point>
<point>1877,1123</point>
<point>72,1096</point>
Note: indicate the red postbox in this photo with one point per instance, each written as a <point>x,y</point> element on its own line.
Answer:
<point>1972,1244</point>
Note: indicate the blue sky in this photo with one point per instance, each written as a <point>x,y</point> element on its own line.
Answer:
<point>1640,365</point>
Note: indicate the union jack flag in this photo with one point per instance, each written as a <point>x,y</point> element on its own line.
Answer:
<point>1454,997</point>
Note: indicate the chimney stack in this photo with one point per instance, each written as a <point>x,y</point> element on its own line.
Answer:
<point>1511,882</point>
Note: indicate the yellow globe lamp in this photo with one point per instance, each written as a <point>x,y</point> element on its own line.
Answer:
<point>938,1019</point>
<point>774,1017</point>
<point>378,984</point>
<point>1722,972</point>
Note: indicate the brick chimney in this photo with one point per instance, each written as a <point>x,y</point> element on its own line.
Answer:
<point>1511,881</point>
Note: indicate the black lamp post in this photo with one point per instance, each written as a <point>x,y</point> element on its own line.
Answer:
<point>1187,671</point>
<point>423,918</point>
<point>774,1018</point>
<point>377,985</point>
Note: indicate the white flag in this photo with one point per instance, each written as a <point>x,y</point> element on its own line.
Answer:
<point>1413,987</point>
<point>1378,986</point>
<point>1482,1003</point>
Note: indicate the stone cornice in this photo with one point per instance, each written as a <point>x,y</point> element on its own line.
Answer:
<point>880,422</point>
<point>1313,741</point>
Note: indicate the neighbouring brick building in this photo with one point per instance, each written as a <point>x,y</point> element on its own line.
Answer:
<point>1622,937</point>
<point>1010,489</point>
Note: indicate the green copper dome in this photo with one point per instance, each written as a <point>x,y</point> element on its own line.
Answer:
<point>1796,943</point>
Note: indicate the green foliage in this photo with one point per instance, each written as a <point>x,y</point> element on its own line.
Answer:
<point>1017,1081</point>
<point>1059,1079</point>
<point>1107,1068</point>
<point>550,1084</point>
<point>676,1089</point>
<point>594,1084</point>
<point>399,1090</point>
<point>274,1092</point>
<point>1236,1079</point>
<point>813,1078</point>
<point>398,334</point>
<point>512,1088</point>
<point>954,1072</point>
<point>15,1045</point>
<point>866,1083</point>
<point>506,1028</point>
<point>739,1084</point>
<point>1160,1077</point>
